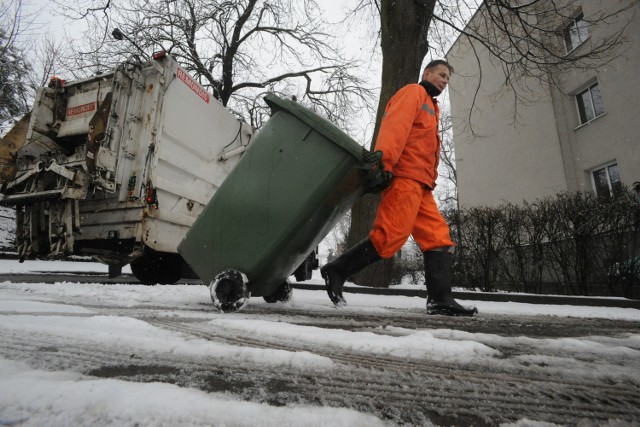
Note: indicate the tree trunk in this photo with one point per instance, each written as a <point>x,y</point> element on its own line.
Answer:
<point>404,27</point>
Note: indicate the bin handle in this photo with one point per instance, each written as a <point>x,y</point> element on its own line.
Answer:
<point>370,157</point>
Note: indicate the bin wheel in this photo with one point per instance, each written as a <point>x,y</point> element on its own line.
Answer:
<point>283,294</point>
<point>229,291</point>
<point>305,270</point>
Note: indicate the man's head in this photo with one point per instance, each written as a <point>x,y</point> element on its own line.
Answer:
<point>438,73</point>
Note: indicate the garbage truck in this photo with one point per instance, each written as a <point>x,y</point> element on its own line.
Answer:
<point>118,166</point>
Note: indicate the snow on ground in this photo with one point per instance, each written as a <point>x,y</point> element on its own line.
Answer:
<point>7,227</point>
<point>35,266</point>
<point>38,398</point>
<point>33,397</point>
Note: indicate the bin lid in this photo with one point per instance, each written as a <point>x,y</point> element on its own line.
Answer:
<point>321,125</point>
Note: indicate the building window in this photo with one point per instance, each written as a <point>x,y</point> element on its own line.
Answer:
<point>575,33</point>
<point>589,103</point>
<point>606,180</point>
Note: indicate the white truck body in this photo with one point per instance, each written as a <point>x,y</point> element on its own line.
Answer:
<point>118,166</point>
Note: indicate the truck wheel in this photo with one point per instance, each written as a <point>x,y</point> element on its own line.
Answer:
<point>283,294</point>
<point>229,291</point>
<point>157,267</point>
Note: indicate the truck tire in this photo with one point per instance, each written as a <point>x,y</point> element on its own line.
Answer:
<point>283,294</point>
<point>157,268</point>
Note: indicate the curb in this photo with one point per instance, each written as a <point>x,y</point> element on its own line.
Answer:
<point>497,297</point>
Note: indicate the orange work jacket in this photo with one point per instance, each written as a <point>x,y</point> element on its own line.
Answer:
<point>409,137</point>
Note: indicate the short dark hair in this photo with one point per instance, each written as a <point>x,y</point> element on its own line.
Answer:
<point>433,64</point>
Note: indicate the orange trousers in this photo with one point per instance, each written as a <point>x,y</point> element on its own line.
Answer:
<point>408,209</point>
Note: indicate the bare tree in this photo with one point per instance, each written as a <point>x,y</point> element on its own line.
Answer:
<point>48,59</point>
<point>13,83</point>
<point>13,66</point>
<point>10,19</point>
<point>28,58</point>
<point>525,38</point>
<point>236,49</point>
<point>447,189</point>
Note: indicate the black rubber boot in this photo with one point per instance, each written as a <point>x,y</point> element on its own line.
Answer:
<point>346,265</point>
<point>437,270</point>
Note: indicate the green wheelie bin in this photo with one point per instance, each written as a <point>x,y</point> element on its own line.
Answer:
<point>298,177</point>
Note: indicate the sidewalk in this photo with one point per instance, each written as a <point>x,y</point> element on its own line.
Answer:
<point>491,296</point>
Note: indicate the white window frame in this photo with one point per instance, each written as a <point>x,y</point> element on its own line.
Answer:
<point>574,22</point>
<point>577,94</point>
<point>606,169</point>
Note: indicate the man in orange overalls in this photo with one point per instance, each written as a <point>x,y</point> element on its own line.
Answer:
<point>410,142</point>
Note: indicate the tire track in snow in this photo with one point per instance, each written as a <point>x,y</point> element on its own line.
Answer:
<point>525,392</point>
<point>395,389</point>
<point>362,359</point>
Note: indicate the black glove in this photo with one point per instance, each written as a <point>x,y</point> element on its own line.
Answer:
<point>386,179</point>
<point>379,179</point>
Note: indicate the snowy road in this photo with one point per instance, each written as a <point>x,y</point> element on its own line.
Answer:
<point>87,354</point>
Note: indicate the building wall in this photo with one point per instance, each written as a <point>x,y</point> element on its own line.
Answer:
<point>510,150</point>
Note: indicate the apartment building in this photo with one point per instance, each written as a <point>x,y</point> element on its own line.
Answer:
<point>575,129</point>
